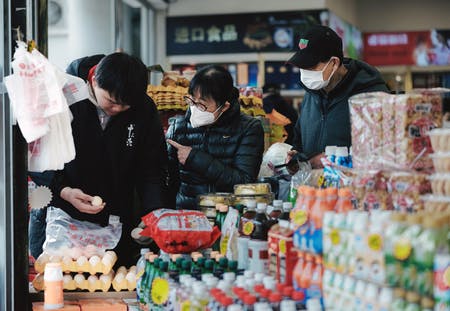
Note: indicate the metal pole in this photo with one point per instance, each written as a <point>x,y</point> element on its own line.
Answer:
<point>6,228</point>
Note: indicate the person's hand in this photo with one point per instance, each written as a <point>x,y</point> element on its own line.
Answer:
<point>316,162</point>
<point>182,151</point>
<point>290,155</point>
<point>80,200</point>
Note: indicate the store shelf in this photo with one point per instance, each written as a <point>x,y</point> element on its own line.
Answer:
<point>87,295</point>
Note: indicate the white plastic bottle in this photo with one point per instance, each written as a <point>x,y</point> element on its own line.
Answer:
<point>371,297</point>
<point>313,305</point>
<point>386,299</point>
<point>53,280</point>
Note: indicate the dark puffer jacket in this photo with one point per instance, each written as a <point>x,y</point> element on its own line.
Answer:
<point>325,118</point>
<point>223,154</point>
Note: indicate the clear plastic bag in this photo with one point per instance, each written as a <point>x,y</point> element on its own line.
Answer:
<point>65,235</point>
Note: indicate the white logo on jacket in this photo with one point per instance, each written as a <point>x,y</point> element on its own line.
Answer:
<point>130,137</point>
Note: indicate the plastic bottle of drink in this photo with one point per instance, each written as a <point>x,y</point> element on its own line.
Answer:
<point>399,303</point>
<point>386,298</point>
<point>315,288</point>
<point>306,277</point>
<point>249,302</point>
<point>408,239</point>
<point>288,305</point>
<point>393,231</point>
<point>300,299</point>
<point>53,292</point>
<point>140,270</point>
<point>287,208</point>
<point>275,301</point>
<point>350,157</point>
<point>315,228</point>
<point>344,201</point>
<point>277,209</point>
<point>371,297</point>
<point>298,271</point>
<point>427,245</point>
<point>412,301</point>
<point>245,229</point>
<point>300,217</point>
<point>260,223</point>
<point>314,305</point>
<point>330,153</point>
<point>342,156</point>
<point>360,289</point>
<point>427,304</point>
<point>331,198</point>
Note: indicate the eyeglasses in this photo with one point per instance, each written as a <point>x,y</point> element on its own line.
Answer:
<point>191,102</point>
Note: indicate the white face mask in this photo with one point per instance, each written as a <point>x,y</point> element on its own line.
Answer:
<point>313,79</point>
<point>201,118</point>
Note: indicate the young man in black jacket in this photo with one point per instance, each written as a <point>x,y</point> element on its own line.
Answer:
<point>120,147</point>
<point>329,80</point>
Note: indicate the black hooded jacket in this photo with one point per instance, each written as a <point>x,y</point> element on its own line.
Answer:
<point>224,154</point>
<point>129,155</point>
<point>325,118</point>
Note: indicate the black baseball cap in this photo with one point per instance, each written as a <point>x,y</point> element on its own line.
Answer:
<point>318,44</point>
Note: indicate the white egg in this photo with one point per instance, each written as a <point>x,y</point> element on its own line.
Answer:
<point>92,279</point>
<point>119,277</point>
<point>82,260</point>
<point>132,269</point>
<point>97,201</point>
<point>122,270</point>
<point>94,260</point>
<point>131,277</point>
<point>105,278</point>
<point>79,278</point>
<point>67,278</point>
<point>67,260</point>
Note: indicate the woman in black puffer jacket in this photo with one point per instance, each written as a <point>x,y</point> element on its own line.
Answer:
<point>214,146</point>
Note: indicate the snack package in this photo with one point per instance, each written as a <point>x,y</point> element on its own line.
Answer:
<point>370,190</point>
<point>180,231</point>
<point>415,115</point>
<point>65,235</point>
<point>406,189</point>
<point>391,131</point>
<point>366,112</point>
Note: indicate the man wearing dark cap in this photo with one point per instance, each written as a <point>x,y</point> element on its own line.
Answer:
<point>120,148</point>
<point>329,80</point>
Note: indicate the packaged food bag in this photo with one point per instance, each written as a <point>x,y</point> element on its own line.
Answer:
<point>366,112</point>
<point>406,189</point>
<point>180,231</point>
<point>415,115</point>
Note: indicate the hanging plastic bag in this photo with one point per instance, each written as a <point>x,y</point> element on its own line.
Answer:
<point>35,90</point>
<point>66,235</point>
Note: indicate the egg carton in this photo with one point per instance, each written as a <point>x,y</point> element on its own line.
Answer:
<point>92,265</point>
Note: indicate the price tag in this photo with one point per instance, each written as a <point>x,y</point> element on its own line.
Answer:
<point>447,277</point>
<point>375,242</point>
<point>160,291</point>
<point>299,217</point>
<point>402,249</point>
<point>335,236</point>
<point>248,228</point>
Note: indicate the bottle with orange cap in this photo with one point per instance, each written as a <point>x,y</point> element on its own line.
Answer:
<point>331,198</point>
<point>344,201</point>
<point>300,218</point>
<point>316,216</point>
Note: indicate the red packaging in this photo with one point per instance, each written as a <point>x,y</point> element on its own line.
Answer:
<point>180,231</point>
<point>281,242</point>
